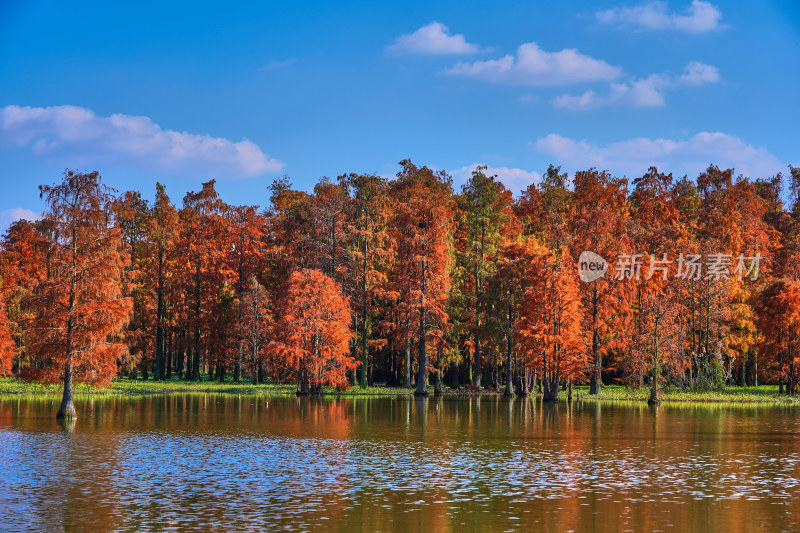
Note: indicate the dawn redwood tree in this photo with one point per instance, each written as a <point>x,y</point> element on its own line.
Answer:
<point>371,254</point>
<point>254,325</point>
<point>8,349</point>
<point>656,328</point>
<point>504,291</point>
<point>423,223</point>
<point>312,335</point>
<point>203,269</point>
<point>658,343</point>
<point>246,257</point>
<point>599,224</point>
<point>779,322</point>
<point>484,208</point>
<point>327,212</point>
<point>162,232</point>
<point>79,307</point>
<point>24,256</point>
<point>549,328</point>
<point>132,214</point>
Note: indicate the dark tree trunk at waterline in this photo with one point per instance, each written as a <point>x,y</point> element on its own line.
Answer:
<point>67,409</point>
<point>550,390</point>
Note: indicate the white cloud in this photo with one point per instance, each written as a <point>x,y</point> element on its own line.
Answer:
<point>515,179</point>
<point>433,39</point>
<point>647,92</point>
<point>655,15</point>
<point>16,213</point>
<point>78,137</point>
<point>536,67</point>
<point>689,156</point>
<point>697,73</point>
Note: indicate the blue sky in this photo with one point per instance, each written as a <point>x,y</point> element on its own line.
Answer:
<point>182,93</point>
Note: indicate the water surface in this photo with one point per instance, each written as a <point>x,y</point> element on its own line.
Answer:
<point>220,462</point>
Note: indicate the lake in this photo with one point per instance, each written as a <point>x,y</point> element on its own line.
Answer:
<point>217,462</point>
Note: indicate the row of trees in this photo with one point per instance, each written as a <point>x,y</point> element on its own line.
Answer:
<point>406,282</point>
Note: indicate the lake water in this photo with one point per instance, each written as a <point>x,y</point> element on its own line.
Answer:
<point>215,462</point>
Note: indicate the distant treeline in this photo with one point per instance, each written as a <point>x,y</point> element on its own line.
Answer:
<point>693,282</point>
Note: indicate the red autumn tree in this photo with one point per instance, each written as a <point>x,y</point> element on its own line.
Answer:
<point>313,333</point>
<point>203,271</point>
<point>246,257</point>
<point>599,224</point>
<point>505,289</point>
<point>657,330</point>
<point>253,326</point>
<point>779,321</point>
<point>162,232</point>
<point>7,347</point>
<point>369,213</point>
<point>79,307</point>
<point>549,328</point>
<point>423,223</point>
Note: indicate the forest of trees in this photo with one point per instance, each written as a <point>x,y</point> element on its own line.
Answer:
<point>406,282</point>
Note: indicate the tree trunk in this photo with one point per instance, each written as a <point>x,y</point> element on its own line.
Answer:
<point>67,409</point>
<point>477,369</point>
<point>159,317</point>
<point>550,390</point>
<point>195,366</point>
<point>596,383</point>
<point>407,378</point>
<point>422,380</point>
<point>524,388</point>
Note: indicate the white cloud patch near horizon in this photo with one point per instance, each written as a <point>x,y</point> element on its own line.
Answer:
<point>536,67</point>
<point>515,179</point>
<point>432,39</point>
<point>9,216</point>
<point>80,138</point>
<point>690,156</point>
<point>647,92</point>
<point>699,17</point>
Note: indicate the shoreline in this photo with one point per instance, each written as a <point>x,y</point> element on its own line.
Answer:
<point>14,388</point>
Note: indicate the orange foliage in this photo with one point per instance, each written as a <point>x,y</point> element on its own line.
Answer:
<point>8,350</point>
<point>79,307</point>
<point>312,335</point>
<point>548,330</point>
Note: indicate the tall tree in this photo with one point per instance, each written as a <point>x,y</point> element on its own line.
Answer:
<point>599,225</point>
<point>484,208</point>
<point>371,254</point>
<point>312,335</point>
<point>8,349</point>
<point>549,328</point>
<point>423,223</point>
<point>162,232</point>
<point>79,306</point>
<point>254,325</point>
<point>203,268</point>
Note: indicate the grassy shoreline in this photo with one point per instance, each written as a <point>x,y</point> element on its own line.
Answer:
<point>9,387</point>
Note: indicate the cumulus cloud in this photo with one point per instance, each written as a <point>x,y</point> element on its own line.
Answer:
<point>655,15</point>
<point>688,156</point>
<point>536,67</point>
<point>433,39</point>
<point>81,138</point>
<point>16,213</point>
<point>515,179</point>
<point>647,92</point>
<point>697,73</point>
